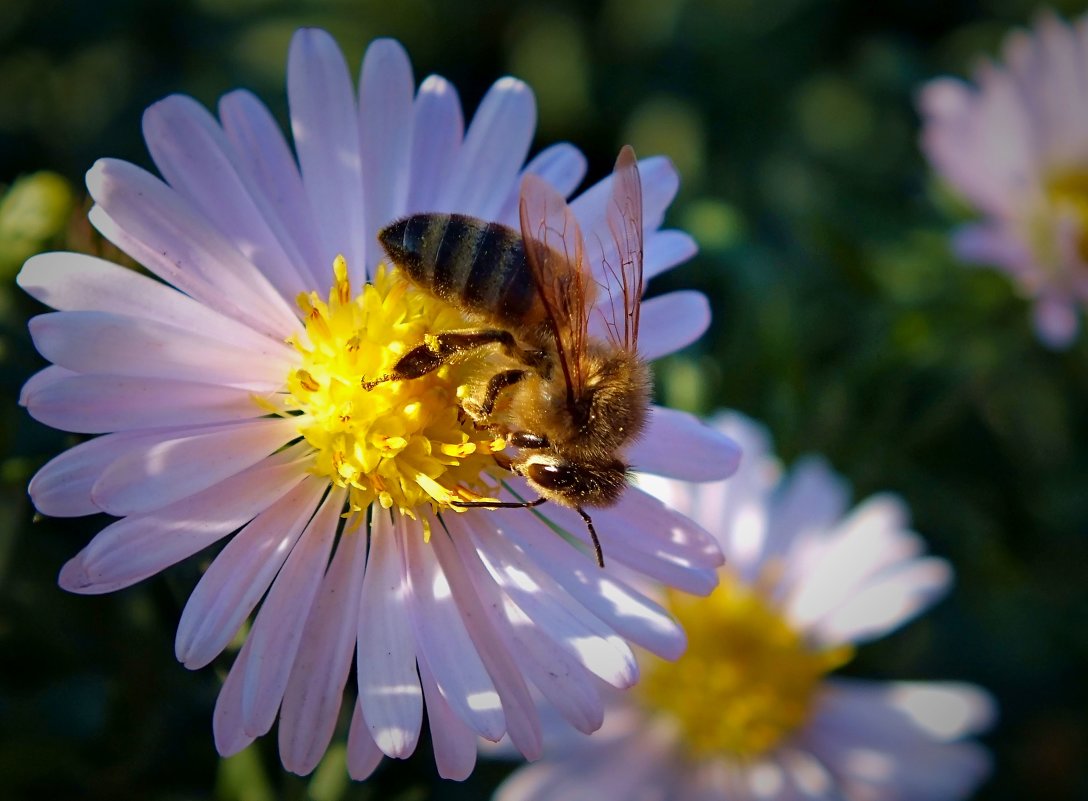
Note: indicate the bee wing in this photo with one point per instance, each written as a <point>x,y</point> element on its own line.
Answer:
<point>556,256</point>
<point>623,279</point>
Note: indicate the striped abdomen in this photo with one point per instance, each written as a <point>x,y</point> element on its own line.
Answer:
<point>471,264</point>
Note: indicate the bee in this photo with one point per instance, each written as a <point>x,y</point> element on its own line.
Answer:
<point>571,400</point>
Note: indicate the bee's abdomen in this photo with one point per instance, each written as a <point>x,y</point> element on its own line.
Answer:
<point>466,262</point>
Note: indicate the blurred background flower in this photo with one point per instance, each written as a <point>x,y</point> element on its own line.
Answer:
<point>1014,146</point>
<point>841,320</point>
<point>748,711</point>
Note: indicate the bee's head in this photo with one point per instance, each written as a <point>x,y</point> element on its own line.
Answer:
<point>572,483</point>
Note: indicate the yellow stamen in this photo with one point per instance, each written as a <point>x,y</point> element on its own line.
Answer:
<point>401,444</point>
<point>747,679</point>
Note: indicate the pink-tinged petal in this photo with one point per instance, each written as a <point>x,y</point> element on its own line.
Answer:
<point>494,646</point>
<point>134,548</point>
<point>660,183</point>
<point>874,750</point>
<point>315,690</point>
<point>637,765</point>
<point>241,573</point>
<point>196,159</point>
<point>41,381</point>
<point>227,716</point>
<point>436,140</point>
<point>668,323</point>
<point>886,602</point>
<point>661,531</point>
<point>278,630</point>
<point>679,445</point>
<point>162,231</point>
<point>268,166</point>
<point>62,488</point>
<point>494,150</point>
<point>635,548</point>
<point>445,644</point>
<point>562,165</point>
<point>363,755</point>
<point>76,282</point>
<point>664,250</point>
<point>1056,322</point>
<point>628,612</point>
<point>553,671</point>
<point>97,404</point>
<point>150,478</point>
<point>829,567</point>
<point>389,691</point>
<point>101,342</point>
<point>453,742</point>
<point>992,244</point>
<point>811,499</point>
<point>326,131</point>
<point>945,711</point>
<point>537,592</point>
<point>386,90</point>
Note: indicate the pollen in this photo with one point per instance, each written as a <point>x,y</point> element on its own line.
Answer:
<point>747,680</point>
<point>403,444</point>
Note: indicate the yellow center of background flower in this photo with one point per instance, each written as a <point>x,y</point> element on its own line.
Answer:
<point>402,444</point>
<point>747,679</point>
<point>1067,191</point>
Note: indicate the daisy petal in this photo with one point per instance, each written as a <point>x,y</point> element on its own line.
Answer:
<point>493,151</point>
<point>454,743</point>
<point>315,690</point>
<point>389,691</point>
<point>113,344</point>
<point>76,282</point>
<point>436,140</point>
<point>666,249</point>
<point>445,644</point>
<point>676,319</point>
<point>144,480</point>
<point>522,724</point>
<point>196,159</point>
<point>562,165</point>
<point>679,445</point>
<point>363,755</point>
<point>96,404</point>
<point>555,673</point>
<point>326,130</point>
<point>385,134</point>
<point>134,548</point>
<point>277,632</point>
<point>227,716</point>
<point>545,603</point>
<point>162,231</point>
<point>240,575</point>
<point>62,488</point>
<point>268,166</point>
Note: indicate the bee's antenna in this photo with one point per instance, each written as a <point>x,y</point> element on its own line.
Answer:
<point>593,535</point>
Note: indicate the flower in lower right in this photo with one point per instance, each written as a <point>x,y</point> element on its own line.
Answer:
<point>749,711</point>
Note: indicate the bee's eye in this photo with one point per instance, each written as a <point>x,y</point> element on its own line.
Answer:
<point>559,477</point>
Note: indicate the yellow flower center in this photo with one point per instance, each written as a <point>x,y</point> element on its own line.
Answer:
<point>403,443</point>
<point>747,679</point>
<point>1067,192</point>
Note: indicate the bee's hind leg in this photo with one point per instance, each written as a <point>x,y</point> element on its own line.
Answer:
<point>440,349</point>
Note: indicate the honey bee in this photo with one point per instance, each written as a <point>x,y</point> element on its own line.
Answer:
<point>573,400</point>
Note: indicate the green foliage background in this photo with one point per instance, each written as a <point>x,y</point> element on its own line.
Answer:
<point>841,321</point>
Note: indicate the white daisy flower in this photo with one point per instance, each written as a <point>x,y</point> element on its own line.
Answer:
<point>748,712</point>
<point>228,396</point>
<point>1015,145</point>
